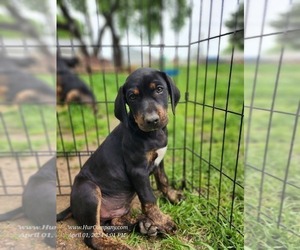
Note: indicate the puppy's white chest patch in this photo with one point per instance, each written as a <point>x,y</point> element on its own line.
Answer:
<point>160,155</point>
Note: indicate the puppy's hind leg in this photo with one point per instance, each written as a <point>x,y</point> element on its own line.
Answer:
<point>86,204</point>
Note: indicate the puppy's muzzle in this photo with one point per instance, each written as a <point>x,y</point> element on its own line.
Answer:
<point>151,121</point>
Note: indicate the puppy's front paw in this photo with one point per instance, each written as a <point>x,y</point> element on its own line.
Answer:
<point>151,228</point>
<point>147,227</point>
<point>156,222</point>
<point>165,225</point>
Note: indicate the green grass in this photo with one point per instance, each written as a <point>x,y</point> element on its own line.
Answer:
<point>274,157</point>
<point>26,127</point>
<point>197,228</point>
<point>203,221</point>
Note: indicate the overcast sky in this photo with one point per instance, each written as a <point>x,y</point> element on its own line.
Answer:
<point>209,27</point>
<point>254,19</point>
<point>204,23</point>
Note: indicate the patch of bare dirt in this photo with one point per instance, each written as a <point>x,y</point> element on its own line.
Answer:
<point>13,236</point>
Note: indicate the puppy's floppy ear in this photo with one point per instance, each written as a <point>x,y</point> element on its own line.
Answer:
<point>120,107</point>
<point>173,91</point>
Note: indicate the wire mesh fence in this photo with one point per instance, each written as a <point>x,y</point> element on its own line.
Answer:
<point>206,147</point>
<point>27,125</point>
<point>27,105</point>
<point>271,134</point>
<point>205,135</point>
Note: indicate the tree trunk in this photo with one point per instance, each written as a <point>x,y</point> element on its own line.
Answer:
<point>73,28</point>
<point>25,27</point>
<point>99,41</point>
<point>109,23</point>
<point>117,52</point>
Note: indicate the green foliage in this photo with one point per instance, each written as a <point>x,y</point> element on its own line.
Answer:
<point>80,5</point>
<point>289,21</point>
<point>236,22</point>
<point>145,17</point>
<point>33,5</point>
<point>62,33</point>
<point>140,16</point>
<point>9,33</point>
<point>14,32</point>
<point>37,5</point>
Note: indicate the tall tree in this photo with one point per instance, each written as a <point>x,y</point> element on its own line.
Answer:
<point>25,25</point>
<point>142,17</point>
<point>109,10</point>
<point>236,23</point>
<point>71,25</point>
<point>288,23</point>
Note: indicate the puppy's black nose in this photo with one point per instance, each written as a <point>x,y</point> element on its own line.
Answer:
<point>152,119</point>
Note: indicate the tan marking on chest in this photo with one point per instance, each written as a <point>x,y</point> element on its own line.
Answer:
<point>151,156</point>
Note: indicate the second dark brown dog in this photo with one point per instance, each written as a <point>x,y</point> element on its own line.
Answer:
<point>70,88</point>
<point>19,86</point>
<point>120,167</point>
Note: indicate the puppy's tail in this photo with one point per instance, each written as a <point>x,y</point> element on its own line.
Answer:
<point>11,214</point>
<point>65,214</point>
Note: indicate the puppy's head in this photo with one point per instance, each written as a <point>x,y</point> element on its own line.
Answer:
<point>146,93</point>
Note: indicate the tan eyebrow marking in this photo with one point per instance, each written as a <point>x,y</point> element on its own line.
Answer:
<point>136,91</point>
<point>152,85</point>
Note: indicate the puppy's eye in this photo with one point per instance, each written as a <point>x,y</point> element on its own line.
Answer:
<point>159,89</point>
<point>132,97</point>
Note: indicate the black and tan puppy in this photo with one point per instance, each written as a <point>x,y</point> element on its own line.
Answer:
<point>70,88</point>
<point>19,86</point>
<point>120,168</point>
